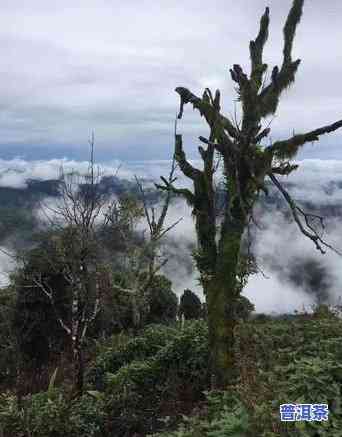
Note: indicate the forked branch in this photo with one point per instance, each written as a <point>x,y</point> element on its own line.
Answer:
<point>281,79</point>
<point>299,215</point>
<point>205,108</point>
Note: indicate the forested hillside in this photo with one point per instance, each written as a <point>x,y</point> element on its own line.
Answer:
<point>137,386</point>
<point>100,337</point>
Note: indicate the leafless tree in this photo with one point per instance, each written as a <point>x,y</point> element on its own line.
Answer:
<point>143,261</point>
<point>80,207</point>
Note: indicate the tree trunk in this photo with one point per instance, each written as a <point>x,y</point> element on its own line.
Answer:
<point>221,295</point>
<point>78,371</point>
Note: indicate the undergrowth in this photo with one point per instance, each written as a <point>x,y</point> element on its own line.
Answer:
<point>157,384</point>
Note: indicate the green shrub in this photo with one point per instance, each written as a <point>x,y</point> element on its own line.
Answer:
<point>48,414</point>
<point>87,417</point>
<point>163,369</point>
<point>142,347</point>
<point>225,416</point>
<point>281,361</point>
<point>296,361</point>
<point>133,398</point>
<point>150,381</point>
<point>41,415</point>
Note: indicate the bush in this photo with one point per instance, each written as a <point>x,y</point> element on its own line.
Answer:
<point>48,414</point>
<point>225,416</point>
<point>280,361</point>
<point>149,382</point>
<point>41,415</point>
<point>111,358</point>
<point>294,361</point>
<point>162,370</point>
<point>190,305</point>
<point>87,416</point>
<point>163,302</point>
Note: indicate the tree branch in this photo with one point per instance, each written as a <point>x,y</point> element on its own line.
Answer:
<point>205,109</point>
<point>185,192</point>
<point>188,170</point>
<point>284,169</point>
<point>298,213</point>
<point>263,134</point>
<point>165,208</point>
<point>287,149</point>
<point>280,80</point>
<point>256,48</point>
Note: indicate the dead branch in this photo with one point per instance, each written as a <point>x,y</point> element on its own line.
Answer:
<point>298,214</point>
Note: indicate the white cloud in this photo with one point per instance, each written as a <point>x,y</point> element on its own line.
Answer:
<point>275,296</point>
<point>14,173</point>
<point>280,247</point>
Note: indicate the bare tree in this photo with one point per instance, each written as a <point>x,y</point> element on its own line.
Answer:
<point>247,165</point>
<point>144,261</point>
<point>81,206</point>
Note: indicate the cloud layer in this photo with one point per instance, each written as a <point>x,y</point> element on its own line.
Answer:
<point>298,274</point>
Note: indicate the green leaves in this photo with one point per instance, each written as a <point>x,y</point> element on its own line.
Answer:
<point>151,373</point>
<point>228,418</point>
<point>161,374</point>
<point>293,361</point>
<point>50,414</point>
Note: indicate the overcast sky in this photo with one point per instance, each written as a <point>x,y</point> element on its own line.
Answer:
<point>68,67</point>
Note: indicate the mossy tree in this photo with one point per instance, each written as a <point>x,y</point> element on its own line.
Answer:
<point>247,165</point>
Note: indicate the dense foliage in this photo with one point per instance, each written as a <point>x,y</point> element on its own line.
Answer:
<point>8,343</point>
<point>162,370</point>
<point>280,361</point>
<point>37,329</point>
<point>158,382</point>
<point>90,343</point>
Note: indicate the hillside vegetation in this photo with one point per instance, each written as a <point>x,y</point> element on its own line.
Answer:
<point>158,382</point>
<point>93,340</point>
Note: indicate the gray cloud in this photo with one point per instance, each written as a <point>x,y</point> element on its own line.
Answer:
<point>113,68</point>
<point>298,275</point>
